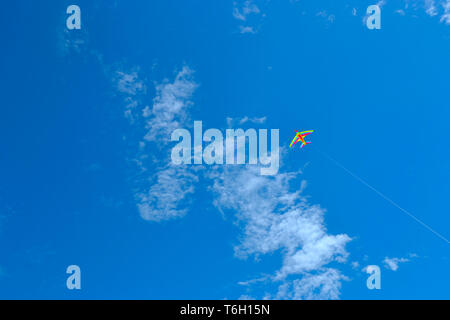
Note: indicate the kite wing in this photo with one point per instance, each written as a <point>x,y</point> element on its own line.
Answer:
<point>294,141</point>
<point>305,133</point>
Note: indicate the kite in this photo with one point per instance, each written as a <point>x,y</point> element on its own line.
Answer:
<point>299,136</point>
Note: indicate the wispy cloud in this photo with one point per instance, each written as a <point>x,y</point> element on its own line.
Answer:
<point>248,14</point>
<point>161,188</point>
<point>381,3</point>
<point>170,106</point>
<point>247,29</point>
<point>433,8</point>
<point>129,83</point>
<point>73,41</point>
<point>446,15</point>
<point>430,7</point>
<point>327,16</point>
<point>162,196</point>
<point>242,10</point>
<point>240,121</point>
<point>323,285</point>
<point>274,218</point>
<point>163,199</point>
<point>131,86</point>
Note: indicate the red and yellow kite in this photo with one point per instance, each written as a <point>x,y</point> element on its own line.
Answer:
<point>299,136</point>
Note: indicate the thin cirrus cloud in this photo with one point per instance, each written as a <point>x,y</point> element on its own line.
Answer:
<point>432,8</point>
<point>323,285</point>
<point>129,83</point>
<point>274,218</point>
<point>132,87</point>
<point>170,106</point>
<point>242,10</point>
<point>248,14</point>
<point>446,15</point>
<point>162,188</point>
<point>393,263</point>
<point>330,18</point>
<point>163,198</point>
<point>165,195</point>
<point>243,120</point>
<point>438,8</point>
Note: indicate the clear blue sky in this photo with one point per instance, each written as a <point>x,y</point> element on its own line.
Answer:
<point>85,172</point>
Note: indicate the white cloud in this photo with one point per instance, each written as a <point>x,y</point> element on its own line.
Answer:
<point>164,197</point>
<point>392,263</point>
<point>170,106</point>
<point>129,83</point>
<point>328,17</point>
<point>318,249</point>
<point>430,7</point>
<point>231,122</point>
<point>381,3</point>
<point>246,29</point>
<point>242,11</point>
<point>131,87</point>
<point>238,15</point>
<point>274,218</point>
<point>248,14</point>
<point>253,281</point>
<point>323,285</point>
<point>446,16</point>
<point>161,188</point>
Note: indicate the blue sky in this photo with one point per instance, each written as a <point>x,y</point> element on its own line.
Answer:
<point>86,177</point>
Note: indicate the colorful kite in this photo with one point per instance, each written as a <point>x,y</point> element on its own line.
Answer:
<point>299,136</point>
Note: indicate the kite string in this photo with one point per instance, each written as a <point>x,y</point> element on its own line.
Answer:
<point>392,202</point>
